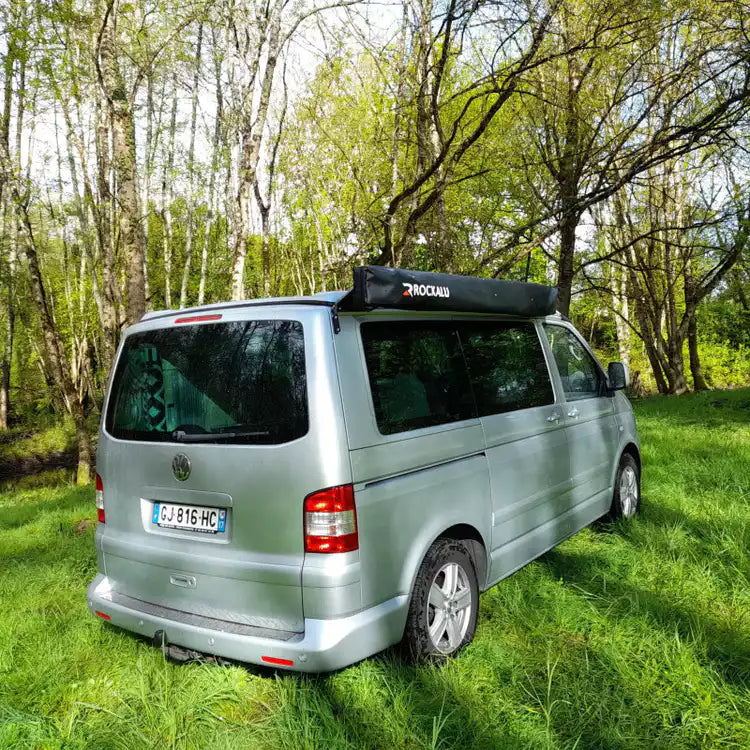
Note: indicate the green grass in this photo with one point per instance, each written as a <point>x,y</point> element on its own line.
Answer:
<point>18,442</point>
<point>628,636</point>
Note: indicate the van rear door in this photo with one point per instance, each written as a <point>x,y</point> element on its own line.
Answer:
<point>216,428</point>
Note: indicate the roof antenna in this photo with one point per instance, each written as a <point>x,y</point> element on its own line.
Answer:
<point>528,264</point>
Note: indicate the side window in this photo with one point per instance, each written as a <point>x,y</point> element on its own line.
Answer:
<point>417,375</point>
<point>506,366</point>
<point>581,376</point>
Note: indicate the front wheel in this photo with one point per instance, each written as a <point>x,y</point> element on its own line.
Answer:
<point>626,500</point>
<point>443,609</point>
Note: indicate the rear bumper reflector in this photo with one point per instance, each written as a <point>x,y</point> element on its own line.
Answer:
<point>102,615</point>
<point>276,660</point>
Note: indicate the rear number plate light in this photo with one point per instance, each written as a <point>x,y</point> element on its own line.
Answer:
<point>190,517</point>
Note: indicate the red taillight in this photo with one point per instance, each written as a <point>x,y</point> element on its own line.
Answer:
<point>197,319</point>
<point>331,520</point>
<point>276,660</point>
<point>99,499</point>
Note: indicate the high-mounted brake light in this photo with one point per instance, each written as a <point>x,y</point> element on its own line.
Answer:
<point>331,520</point>
<point>99,499</point>
<point>197,319</point>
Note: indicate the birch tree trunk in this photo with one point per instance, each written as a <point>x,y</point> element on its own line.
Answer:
<point>110,289</point>
<point>621,306</point>
<point>252,127</point>
<point>9,231</point>
<point>124,161</point>
<point>215,162</point>
<point>189,229</point>
<point>167,196</point>
<point>15,53</point>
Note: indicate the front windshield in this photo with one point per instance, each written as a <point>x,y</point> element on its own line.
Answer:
<point>236,382</point>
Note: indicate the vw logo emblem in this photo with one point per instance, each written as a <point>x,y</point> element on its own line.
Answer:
<point>181,467</point>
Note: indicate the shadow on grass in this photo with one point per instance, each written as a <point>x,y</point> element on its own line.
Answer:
<point>345,717</point>
<point>16,516</point>
<point>19,466</point>
<point>437,709</point>
<point>712,410</point>
<point>726,648</point>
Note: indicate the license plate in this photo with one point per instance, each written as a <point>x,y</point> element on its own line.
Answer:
<point>190,517</point>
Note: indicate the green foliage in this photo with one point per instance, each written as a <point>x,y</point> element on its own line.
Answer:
<point>633,635</point>
<point>358,126</point>
<point>725,322</point>
<point>723,365</point>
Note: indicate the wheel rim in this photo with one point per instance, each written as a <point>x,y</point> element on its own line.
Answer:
<point>449,608</point>
<point>628,492</point>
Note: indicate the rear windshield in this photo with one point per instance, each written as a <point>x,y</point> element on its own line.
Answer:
<point>238,382</point>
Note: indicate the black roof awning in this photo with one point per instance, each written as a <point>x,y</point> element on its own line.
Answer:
<point>380,286</point>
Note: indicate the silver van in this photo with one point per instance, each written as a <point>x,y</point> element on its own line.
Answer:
<point>303,482</point>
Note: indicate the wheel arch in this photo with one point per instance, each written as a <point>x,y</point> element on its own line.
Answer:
<point>464,532</point>
<point>477,548</point>
<point>632,449</point>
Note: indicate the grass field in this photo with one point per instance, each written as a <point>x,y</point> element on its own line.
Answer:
<point>628,636</point>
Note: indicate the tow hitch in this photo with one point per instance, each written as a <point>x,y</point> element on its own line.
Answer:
<point>181,655</point>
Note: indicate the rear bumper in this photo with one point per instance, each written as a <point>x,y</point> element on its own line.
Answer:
<point>324,646</point>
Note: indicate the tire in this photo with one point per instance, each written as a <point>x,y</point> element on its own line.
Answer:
<point>443,610</point>
<point>626,499</point>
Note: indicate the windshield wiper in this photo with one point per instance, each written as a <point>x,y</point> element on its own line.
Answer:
<point>212,437</point>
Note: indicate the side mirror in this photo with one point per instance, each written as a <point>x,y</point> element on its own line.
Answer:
<point>618,376</point>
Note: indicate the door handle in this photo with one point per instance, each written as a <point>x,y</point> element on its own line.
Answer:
<point>573,413</point>
<point>554,417</point>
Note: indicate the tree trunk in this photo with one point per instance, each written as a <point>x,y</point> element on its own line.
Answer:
<point>565,263</point>
<point>676,369</point>
<point>252,128</point>
<point>646,326</point>
<point>215,165</point>
<point>146,180</point>
<point>167,197</point>
<point>110,288</point>
<point>124,163</point>
<point>399,98</point>
<point>189,230</point>
<point>54,351</point>
<point>9,219</point>
<point>699,381</point>
<point>7,357</point>
<point>86,209</point>
<point>265,253</point>
<point>620,304</point>
<point>123,156</point>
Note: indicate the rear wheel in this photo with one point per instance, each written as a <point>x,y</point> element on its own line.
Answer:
<point>443,609</point>
<point>626,500</point>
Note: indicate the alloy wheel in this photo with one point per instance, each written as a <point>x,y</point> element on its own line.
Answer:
<point>449,608</point>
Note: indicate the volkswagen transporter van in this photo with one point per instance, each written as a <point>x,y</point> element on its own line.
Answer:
<point>303,482</point>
